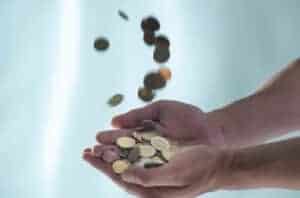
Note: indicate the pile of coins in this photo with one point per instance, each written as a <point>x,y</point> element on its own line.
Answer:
<point>142,149</point>
<point>153,80</point>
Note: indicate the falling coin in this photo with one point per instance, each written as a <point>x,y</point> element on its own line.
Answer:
<point>134,155</point>
<point>160,143</point>
<point>162,42</point>
<point>123,15</point>
<point>115,100</point>
<point>101,44</point>
<point>154,81</point>
<point>126,142</point>
<point>149,38</point>
<point>146,150</point>
<point>146,94</point>
<point>165,73</point>
<point>120,166</point>
<point>161,55</point>
<point>150,24</point>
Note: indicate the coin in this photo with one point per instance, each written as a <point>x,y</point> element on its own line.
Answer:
<point>123,15</point>
<point>150,24</point>
<point>101,44</point>
<point>124,153</point>
<point>149,38</point>
<point>162,41</point>
<point>148,135</point>
<point>167,154</point>
<point>146,150</point>
<point>154,80</point>
<point>110,156</point>
<point>134,154</point>
<point>152,165</point>
<point>161,55</point>
<point>115,100</point>
<point>137,136</point>
<point>160,143</point>
<point>146,94</point>
<point>126,142</point>
<point>165,73</point>
<point>120,166</point>
<point>158,160</point>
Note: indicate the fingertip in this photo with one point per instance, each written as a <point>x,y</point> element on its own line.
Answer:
<point>116,122</point>
<point>87,156</point>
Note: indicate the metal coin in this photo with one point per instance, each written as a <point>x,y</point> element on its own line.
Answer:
<point>110,156</point>
<point>123,15</point>
<point>115,100</point>
<point>101,44</point>
<point>147,136</point>
<point>154,81</point>
<point>160,143</point>
<point>120,166</point>
<point>124,153</point>
<point>150,24</point>
<point>152,165</point>
<point>146,150</point>
<point>162,41</point>
<point>134,154</point>
<point>161,55</point>
<point>149,38</point>
<point>126,142</point>
<point>146,94</point>
<point>165,73</point>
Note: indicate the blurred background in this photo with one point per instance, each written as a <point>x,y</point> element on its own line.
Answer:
<point>54,85</point>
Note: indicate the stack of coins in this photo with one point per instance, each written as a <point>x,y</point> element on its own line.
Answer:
<point>143,149</point>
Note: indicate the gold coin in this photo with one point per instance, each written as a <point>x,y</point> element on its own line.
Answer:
<point>120,166</point>
<point>165,73</point>
<point>126,142</point>
<point>167,154</point>
<point>149,134</point>
<point>160,143</point>
<point>146,150</point>
<point>137,136</point>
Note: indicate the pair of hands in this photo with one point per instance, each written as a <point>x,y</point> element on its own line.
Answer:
<point>194,170</point>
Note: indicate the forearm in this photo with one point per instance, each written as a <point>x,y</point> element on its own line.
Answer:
<point>272,111</point>
<point>275,165</point>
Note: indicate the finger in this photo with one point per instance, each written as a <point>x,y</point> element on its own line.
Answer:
<point>134,117</point>
<point>110,136</point>
<point>157,126</point>
<point>107,170</point>
<point>161,176</point>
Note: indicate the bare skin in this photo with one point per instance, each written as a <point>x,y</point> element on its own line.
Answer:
<point>224,163</point>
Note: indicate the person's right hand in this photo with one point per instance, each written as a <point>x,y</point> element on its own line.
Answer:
<point>181,122</point>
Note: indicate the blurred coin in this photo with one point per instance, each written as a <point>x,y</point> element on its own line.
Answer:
<point>124,153</point>
<point>162,41</point>
<point>145,94</point>
<point>149,134</point>
<point>110,156</point>
<point>120,166</point>
<point>137,136</point>
<point>134,154</point>
<point>126,142</point>
<point>152,165</point>
<point>167,154</point>
<point>154,81</point>
<point>101,44</point>
<point>165,73</point>
<point>157,160</point>
<point>160,143</point>
<point>123,15</point>
<point>161,55</point>
<point>149,38</point>
<point>115,100</point>
<point>146,150</point>
<point>150,24</point>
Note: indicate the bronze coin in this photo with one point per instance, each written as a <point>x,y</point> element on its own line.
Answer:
<point>162,41</point>
<point>133,155</point>
<point>123,15</point>
<point>154,81</point>
<point>165,73</point>
<point>145,94</point>
<point>115,100</point>
<point>101,44</point>
<point>149,38</point>
<point>150,24</point>
<point>161,55</point>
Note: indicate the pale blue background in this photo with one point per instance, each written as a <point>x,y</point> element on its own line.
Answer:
<point>54,86</point>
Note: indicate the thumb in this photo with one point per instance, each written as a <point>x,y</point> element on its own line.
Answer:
<point>135,117</point>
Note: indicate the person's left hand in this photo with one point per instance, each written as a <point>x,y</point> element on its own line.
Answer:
<point>193,171</point>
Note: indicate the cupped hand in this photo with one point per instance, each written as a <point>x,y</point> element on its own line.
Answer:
<point>193,171</point>
<point>176,120</point>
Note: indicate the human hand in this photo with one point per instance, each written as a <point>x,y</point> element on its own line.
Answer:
<point>178,121</point>
<point>201,170</point>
